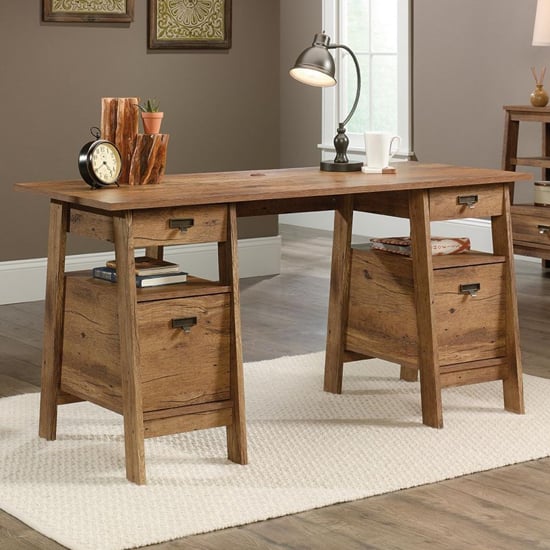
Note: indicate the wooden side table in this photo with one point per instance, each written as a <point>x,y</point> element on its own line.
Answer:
<point>530,223</point>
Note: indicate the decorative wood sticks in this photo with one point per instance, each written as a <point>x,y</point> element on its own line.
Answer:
<point>539,81</point>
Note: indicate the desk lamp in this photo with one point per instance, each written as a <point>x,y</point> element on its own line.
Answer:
<point>315,67</point>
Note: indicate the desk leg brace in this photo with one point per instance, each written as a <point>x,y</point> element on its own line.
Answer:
<point>428,352</point>
<point>501,228</point>
<point>53,321</point>
<point>132,403</point>
<point>229,274</point>
<point>339,295</point>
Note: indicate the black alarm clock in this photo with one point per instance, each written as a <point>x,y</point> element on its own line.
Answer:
<point>99,162</point>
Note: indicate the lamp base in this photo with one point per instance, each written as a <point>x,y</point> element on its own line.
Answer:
<point>330,166</point>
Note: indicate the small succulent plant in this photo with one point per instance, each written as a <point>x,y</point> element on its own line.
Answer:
<point>149,106</point>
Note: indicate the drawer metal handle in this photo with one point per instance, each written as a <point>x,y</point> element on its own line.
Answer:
<point>471,289</point>
<point>184,323</point>
<point>182,224</point>
<point>468,200</point>
<point>543,229</point>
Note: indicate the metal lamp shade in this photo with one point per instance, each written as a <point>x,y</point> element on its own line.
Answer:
<point>315,66</point>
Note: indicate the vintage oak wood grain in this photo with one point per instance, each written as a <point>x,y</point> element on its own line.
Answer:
<point>266,186</point>
<point>148,159</point>
<point>452,338</point>
<point>120,124</point>
<point>150,371</point>
<point>508,508</point>
<point>132,217</point>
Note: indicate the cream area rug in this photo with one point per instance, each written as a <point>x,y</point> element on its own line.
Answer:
<point>307,449</point>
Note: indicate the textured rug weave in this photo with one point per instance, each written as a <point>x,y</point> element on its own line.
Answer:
<point>307,449</point>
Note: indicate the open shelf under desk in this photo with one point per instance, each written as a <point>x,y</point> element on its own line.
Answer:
<point>194,286</point>
<point>446,261</point>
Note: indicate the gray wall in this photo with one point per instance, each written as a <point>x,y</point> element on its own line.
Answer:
<point>300,104</point>
<point>221,107</point>
<point>470,59</point>
<point>231,110</point>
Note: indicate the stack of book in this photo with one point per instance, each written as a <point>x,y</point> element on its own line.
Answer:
<point>149,272</point>
<point>440,245</point>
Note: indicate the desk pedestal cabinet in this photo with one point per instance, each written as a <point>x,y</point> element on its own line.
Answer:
<point>453,318</point>
<point>179,367</point>
<point>469,313</point>
<point>167,358</point>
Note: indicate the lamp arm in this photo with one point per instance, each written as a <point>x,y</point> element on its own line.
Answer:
<point>358,93</point>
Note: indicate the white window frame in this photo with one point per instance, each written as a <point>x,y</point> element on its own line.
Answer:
<point>331,97</point>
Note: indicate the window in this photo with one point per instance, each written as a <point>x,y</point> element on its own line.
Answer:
<point>378,32</point>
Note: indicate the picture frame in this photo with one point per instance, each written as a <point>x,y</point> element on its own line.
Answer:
<point>181,24</point>
<point>88,11</point>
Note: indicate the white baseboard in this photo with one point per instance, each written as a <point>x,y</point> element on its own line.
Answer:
<point>25,280</point>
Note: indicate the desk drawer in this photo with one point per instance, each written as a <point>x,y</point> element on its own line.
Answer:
<point>382,318</point>
<point>158,226</point>
<point>470,326</point>
<point>531,229</point>
<point>180,225</point>
<point>186,364</point>
<point>475,201</point>
<point>177,367</point>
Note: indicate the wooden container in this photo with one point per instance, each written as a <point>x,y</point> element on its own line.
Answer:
<point>469,307</point>
<point>148,159</point>
<point>120,124</point>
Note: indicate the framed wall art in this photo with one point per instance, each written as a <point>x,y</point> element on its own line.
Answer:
<point>88,11</point>
<point>194,24</point>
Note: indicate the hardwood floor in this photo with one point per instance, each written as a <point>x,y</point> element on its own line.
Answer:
<point>508,508</point>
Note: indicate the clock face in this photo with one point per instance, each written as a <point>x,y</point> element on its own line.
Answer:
<point>105,162</point>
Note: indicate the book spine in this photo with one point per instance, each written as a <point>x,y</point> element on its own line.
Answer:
<point>100,273</point>
<point>396,249</point>
<point>439,246</point>
<point>109,274</point>
<point>153,280</point>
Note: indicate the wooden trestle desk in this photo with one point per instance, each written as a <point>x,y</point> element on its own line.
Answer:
<point>169,359</point>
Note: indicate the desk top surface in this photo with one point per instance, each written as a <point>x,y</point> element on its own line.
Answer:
<point>265,185</point>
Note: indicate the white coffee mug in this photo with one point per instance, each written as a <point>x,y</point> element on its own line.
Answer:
<point>380,148</point>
